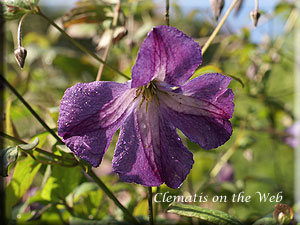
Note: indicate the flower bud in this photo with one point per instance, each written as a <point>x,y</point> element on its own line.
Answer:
<point>20,54</point>
<point>255,16</point>
<point>283,214</point>
<point>217,6</point>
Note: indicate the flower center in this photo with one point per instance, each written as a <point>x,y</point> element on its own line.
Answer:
<point>148,92</point>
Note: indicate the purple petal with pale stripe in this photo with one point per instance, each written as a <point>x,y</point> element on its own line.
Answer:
<point>90,114</point>
<point>201,109</point>
<point>211,87</point>
<point>149,151</point>
<point>167,55</point>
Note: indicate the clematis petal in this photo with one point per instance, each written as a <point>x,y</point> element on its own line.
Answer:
<point>90,114</point>
<point>211,87</point>
<point>149,151</point>
<point>203,113</point>
<point>167,55</point>
<point>206,130</point>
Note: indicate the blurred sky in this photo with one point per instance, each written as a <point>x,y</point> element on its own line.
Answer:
<point>272,27</point>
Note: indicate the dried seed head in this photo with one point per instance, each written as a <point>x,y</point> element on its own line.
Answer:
<point>255,16</point>
<point>217,6</point>
<point>20,54</point>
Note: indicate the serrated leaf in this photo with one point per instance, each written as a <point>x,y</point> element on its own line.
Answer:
<point>88,11</point>
<point>61,182</point>
<point>14,9</point>
<point>22,179</point>
<point>7,157</point>
<point>209,216</point>
<point>30,146</point>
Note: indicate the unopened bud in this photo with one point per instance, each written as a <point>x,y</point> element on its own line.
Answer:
<point>283,214</point>
<point>217,6</point>
<point>119,33</point>
<point>255,16</point>
<point>20,54</point>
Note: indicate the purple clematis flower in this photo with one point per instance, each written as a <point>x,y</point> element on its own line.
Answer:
<point>293,131</point>
<point>158,99</point>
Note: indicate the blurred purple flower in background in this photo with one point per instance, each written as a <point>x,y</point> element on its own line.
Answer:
<point>158,99</point>
<point>226,173</point>
<point>294,131</point>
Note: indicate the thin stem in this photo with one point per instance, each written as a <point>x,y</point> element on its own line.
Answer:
<point>256,5</point>
<point>156,206</point>
<point>20,30</point>
<point>167,16</point>
<point>151,220</point>
<point>113,26</point>
<point>7,84</point>
<point>214,172</point>
<point>78,45</point>
<point>112,196</point>
<point>218,27</point>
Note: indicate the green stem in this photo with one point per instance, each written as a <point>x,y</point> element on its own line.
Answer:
<point>7,84</point>
<point>77,44</point>
<point>151,220</point>
<point>218,27</point>
<point>112,196</point>
<point>39,150</point>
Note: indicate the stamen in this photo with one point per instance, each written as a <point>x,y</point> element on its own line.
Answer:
<point>148,92</point>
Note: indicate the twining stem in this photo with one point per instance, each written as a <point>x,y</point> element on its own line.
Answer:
<point>151,220</point>
<point>167,16</point>
<point>112,27</point>
<point>20,30</point>
<point>218,27</point>
<point>112,197</point>
<point>78,45</point>
<point>16,93</point>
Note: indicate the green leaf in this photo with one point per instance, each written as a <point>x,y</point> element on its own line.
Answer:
<point>84,188</point>
<point>206,69</point>
<point>30,146</point>
<point>14,9</point>
<point>61,182</point>
<point>22,179</point>
<point>284,7</point>
<point>10,155</point>
<point>265,221</point>
<point>7,157</point>
<point>209,216</point>
<point>141,209</point>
